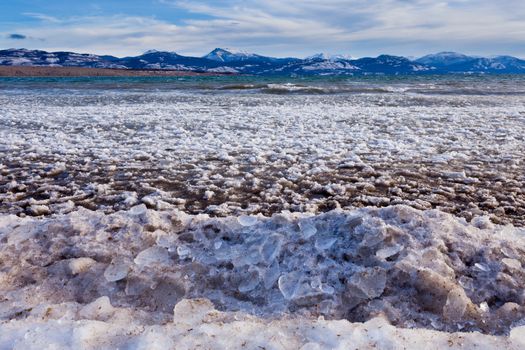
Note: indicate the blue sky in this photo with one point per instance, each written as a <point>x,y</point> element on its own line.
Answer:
<point>271,27</point>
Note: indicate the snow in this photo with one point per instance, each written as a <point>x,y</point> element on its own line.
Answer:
<point>284,290</point>
<point>329,57</point>
<point>330,65</point>
<point>229,55</point>
<point>204,327</point>
<point>223,70</point>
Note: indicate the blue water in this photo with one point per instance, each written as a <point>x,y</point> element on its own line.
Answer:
<point>439,84</point>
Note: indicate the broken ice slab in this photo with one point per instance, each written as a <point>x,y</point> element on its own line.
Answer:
<point>250,280</point>
<point>512,263</point>
<point>117,270</point>
<point>271,248</point>
<point>307,228</point>
<point>370,282</point>
<point>387,252</point>
<point>247,220</point>
<point>271,275</point>
<point>183,252</point>
<point>289,284</point>
<point>152,256</point>
<point>324,243</point>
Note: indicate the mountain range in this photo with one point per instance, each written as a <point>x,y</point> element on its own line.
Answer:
<point>233,61</point>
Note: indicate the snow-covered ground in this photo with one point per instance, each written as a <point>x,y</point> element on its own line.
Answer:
<point>261,216</point>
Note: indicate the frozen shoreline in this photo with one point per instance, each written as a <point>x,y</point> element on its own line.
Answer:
<point>416,269</point>
<point>203,327</point>
<point>232,153</point>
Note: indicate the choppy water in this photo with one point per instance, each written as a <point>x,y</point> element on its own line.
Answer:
<point>425,85</point>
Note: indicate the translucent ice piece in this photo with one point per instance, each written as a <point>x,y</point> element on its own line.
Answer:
<point>324,243</point>
<point>151,256</point>
<point>271,248</point>
<point>250,281</point>
<point>271,275</point>
<point>183,252</point>
<point>117,270</point>
<point>371,282</point>
<point>308,229</point>
<point>387,252</point>
<point>246,220</point>
<point>289,284</point>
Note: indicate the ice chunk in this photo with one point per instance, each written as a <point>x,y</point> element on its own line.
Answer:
<point>118,269</point>
<point>100,310</point>
<point>511,263</point>
<point>271,275</point>
<point>322,243</point>
<point>371,282</point>
<point>387,252</point>
<point>80,265</point>
<point>250,280</point>
<point>208,195</point>
<point>481,267</point>
<point>183,252</point>
<point>456,304</point>
<point>247,220</point>
<point>151,256</point>
<point>289,284</point>
<point>484,307</point>
<point>192,312</point>
<point>247,256</point>
<point>319,286</point>
<point>271,248</point>
<point>138,209</point>
<point>307,228</point>
<point>38,210</point>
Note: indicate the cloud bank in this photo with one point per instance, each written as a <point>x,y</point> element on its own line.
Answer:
<point>272,27</point>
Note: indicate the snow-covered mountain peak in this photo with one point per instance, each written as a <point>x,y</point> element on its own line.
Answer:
<point>152,52</point>
<point>329,57</point>
<point>229,55</point>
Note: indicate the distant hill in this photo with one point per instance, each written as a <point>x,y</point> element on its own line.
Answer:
<point>234,61</point>
<point>458,63</point>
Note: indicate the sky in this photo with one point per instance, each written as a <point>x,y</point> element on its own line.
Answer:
<point>270,27</point>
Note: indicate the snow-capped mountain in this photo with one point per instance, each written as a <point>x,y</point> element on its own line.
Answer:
<point>231,55</point>
<point>23,57</point>
<point>443,59</point>
<point>387,64</point>
<point>328,57</point>
<point>458,63</point>
<point>153,59</point>
<point>234,61</point>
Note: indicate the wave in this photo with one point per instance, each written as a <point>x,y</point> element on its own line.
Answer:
<point>291,88</point>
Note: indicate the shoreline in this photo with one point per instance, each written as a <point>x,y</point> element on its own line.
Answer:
<point>32,71</point>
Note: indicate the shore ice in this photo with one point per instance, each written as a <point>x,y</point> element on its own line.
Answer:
<point>249,153</point>
<point>94,280</point>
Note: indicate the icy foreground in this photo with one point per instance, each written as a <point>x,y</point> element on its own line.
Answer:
<point>264,150</point>
<point>146,278</point>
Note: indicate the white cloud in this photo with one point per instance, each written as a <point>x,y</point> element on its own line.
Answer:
<point>42,17</point>
<point>274,27</point>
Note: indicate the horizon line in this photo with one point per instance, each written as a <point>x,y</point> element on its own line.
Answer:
<point>350,57</point>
